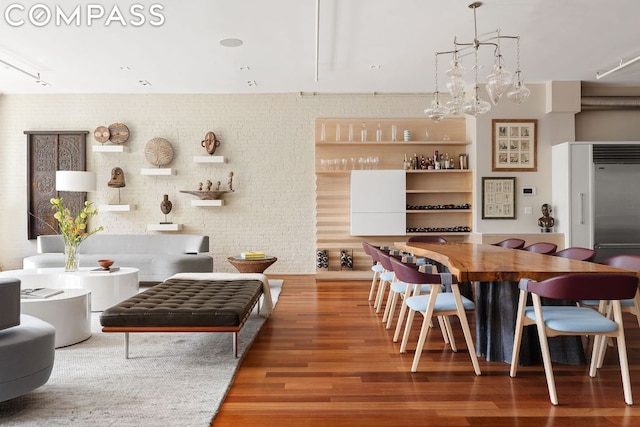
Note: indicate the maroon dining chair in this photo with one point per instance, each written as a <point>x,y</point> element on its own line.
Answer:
<point>544,248</point>
<point>436,303</point>
<point>554,320</point>
<point>577,253</point>
<point>510,243</point>
<point>628,262</point>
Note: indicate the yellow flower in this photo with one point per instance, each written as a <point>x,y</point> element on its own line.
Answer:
<point>73,230</point>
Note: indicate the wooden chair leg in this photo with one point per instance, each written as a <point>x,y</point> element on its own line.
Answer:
<point>622,354</point>
<point>407,331</point>
<point>382,289</point>
<point>544,347</point>
<point>391,309</point>
<point>443,328</point>
<point>517,338</point>
<point>424,332</point>
<point>426,325</point>
<point>388,307</point>
<point>447,331</point>
<point>403,313</point>
<point>374,282</point>
<point>462,315</point>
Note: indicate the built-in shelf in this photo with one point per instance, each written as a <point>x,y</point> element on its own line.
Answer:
<point>116,208</point>
<point>157,171</point>
<point>218,202</point>
<point>208,159</point>
<point>164,227</point>
<point>110,149</point>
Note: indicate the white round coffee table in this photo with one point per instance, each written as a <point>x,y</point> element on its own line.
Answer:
<point>106,288</point>
<point>68,312</point>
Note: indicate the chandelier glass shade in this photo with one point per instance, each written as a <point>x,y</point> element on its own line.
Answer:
<point>500,81</point>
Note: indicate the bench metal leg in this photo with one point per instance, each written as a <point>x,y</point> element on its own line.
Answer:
<point>126,345</point>
<point>235,344</point>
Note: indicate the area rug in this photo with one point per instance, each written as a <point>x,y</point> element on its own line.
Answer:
<point>173,379</point>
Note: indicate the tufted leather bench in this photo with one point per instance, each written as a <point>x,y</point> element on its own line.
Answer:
<point>185,305</point>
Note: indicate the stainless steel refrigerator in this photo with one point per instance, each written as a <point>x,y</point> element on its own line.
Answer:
<point>616,200</point>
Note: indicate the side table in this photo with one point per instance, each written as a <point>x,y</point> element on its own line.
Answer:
<point>251,265</point>
<point>68,312</point>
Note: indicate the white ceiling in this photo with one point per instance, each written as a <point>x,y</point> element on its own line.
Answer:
<point>384,46</point>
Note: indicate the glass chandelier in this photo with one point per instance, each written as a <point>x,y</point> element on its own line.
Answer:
<point>500,82</point>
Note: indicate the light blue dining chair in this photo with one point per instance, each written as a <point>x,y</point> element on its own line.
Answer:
<point>435,303</point>
<point>552,320</point>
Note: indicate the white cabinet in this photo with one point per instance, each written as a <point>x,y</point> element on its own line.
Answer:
<point>378,203</point>
<point>572,199</point>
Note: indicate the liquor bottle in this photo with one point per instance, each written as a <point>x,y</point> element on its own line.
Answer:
<point>379,133</point>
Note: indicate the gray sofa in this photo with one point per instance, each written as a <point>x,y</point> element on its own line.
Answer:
<point>26,345</point>
<point>157,256</point>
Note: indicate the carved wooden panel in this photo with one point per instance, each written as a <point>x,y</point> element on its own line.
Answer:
<point>49,151</point>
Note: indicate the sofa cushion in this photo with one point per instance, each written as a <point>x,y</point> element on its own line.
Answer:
<point>9,302</point>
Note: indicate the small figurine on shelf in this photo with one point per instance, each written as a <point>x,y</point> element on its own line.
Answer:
<point>165,207</point>
<point>218,184</point>
<point>546,222</point>
<point>209,184</point>
<point>230,181</point>
<point>117,180</point>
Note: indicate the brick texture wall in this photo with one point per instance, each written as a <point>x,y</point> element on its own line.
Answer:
<point>267,139</point>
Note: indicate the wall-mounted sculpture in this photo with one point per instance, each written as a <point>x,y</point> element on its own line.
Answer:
<point>117,180</point>
<point>158,152</point>
<point>116,133</point>
<point>209,193</point>
<point>165,207</point>
<point>210,142</point>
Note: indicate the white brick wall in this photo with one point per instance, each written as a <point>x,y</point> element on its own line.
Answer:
<point>267,139</point>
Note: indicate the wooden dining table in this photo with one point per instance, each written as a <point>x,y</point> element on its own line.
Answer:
<point>494,273</point>
<point>475,262</point>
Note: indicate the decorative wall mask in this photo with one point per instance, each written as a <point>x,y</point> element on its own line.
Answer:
<point>210,142</point>
<point>117,178</point>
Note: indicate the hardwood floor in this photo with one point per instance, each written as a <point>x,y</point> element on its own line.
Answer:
<point>324,358</point>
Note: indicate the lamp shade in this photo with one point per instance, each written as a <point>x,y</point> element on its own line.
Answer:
<point>75,181</point>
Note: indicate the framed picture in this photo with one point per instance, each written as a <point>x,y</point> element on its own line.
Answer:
<point>514,145</point>
<point>498,198</point>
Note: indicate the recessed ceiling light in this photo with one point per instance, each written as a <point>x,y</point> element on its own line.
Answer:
<point>244,68</point>
<point>144,82</point>
<point>231,42</point>
<point>125,68</point>
<point>375,66</point>
<point>252,83</point>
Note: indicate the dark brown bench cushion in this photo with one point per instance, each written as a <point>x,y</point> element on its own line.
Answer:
<point>181,302</point>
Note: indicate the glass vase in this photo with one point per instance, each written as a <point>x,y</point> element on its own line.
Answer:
<point>71,258</point>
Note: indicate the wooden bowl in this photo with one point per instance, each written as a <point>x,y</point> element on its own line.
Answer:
<point>105,263</point>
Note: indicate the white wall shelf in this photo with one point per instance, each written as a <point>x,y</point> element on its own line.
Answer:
<point>157,171</point>
<point>206,203</point>
<point>208,159</point>
<point>164,227</point>
<point>109,149</point>
<point>116,208</point>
